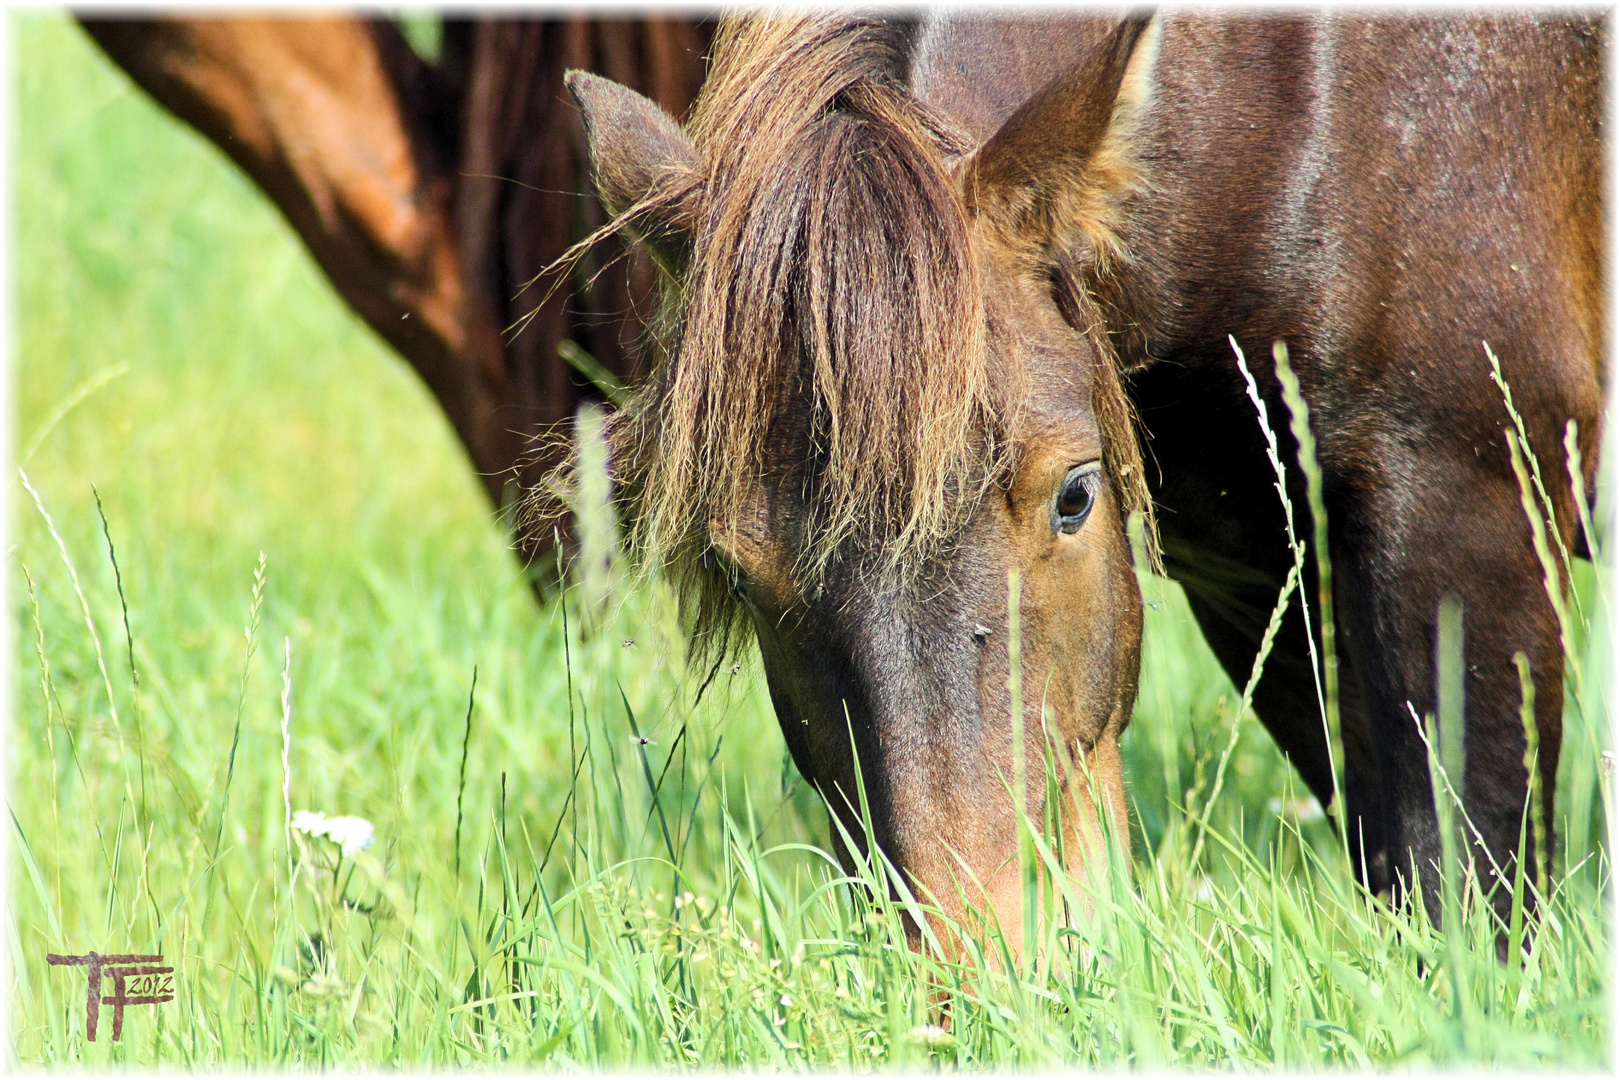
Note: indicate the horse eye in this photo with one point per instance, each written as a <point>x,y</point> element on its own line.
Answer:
<point>736,584</point>
<point>1075,498</point>
<point>712,561</point>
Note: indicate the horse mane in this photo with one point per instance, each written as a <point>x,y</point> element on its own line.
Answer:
<point>830,266</point>
<point>831,297</point>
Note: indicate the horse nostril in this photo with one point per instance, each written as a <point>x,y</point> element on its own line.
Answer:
<point>981,632</point>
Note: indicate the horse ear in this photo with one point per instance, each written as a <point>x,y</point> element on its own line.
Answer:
<point>1056,171</point>
<point>646,169</point>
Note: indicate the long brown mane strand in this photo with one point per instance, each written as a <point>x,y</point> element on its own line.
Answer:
<point>830,283</point>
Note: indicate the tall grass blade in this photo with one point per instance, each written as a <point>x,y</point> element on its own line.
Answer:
<point>1521,439</point>
<point>461,774</point>
<point>252,635</point>
<point>1300,425</point>
<point>1532,770</point>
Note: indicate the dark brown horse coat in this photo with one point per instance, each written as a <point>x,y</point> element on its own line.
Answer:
<point>1383,194</point>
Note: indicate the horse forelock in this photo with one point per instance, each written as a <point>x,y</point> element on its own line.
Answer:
<point>831,291</point>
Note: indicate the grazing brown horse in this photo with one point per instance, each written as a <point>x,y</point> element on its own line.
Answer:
<point>926,268</point>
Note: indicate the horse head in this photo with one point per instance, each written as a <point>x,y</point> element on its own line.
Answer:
<point>886,416</point>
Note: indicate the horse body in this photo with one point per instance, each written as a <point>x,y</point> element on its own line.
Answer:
<point>1380,194</point>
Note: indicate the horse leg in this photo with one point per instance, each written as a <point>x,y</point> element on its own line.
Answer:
<point>1429,525</point>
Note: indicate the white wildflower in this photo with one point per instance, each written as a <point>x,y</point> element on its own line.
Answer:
<point>352,834</point>
<point>312,822</point>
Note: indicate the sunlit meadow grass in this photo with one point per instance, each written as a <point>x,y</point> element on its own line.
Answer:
<point>527,899</point>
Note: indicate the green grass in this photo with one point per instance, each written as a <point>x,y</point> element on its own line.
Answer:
<point>237,408</point>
